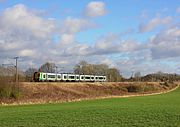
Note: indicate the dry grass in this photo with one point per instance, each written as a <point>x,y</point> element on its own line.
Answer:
<point>45,92</point>
<point>8,89</point>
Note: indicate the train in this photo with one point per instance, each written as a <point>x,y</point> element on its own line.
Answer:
<point>65,77</point>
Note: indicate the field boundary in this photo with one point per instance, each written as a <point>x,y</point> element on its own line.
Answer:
<point>94,98</point>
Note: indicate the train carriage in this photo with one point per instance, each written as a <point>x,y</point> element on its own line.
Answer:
<point>71,77</point>
<point>41,76</point>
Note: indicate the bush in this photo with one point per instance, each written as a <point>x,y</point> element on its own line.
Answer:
<point>134,88</point>
<point>165,84</point>
<point>148,88</point>
<point>8,89</point>
<point>124,89</point>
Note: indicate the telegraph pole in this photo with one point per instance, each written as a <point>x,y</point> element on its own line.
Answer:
<point>132,74</point>
<point>16,66</point>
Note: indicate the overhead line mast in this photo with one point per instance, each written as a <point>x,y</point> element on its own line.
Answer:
<point>16,66</point>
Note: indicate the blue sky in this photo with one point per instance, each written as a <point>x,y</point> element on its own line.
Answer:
<point>130,35</point>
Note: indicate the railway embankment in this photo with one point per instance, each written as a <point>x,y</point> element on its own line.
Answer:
<point>52,92</point>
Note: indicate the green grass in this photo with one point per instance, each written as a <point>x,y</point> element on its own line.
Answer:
<point>150,111</point>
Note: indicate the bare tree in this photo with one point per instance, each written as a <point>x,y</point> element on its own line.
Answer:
<point>137,75</point>
<point>113,75</point>
<point>98,69</point>
<point>48,68</point>
<point>29,73</point>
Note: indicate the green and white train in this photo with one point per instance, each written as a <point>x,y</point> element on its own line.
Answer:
<point>56,77</point>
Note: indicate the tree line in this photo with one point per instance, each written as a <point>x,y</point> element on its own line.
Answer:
<point>83,67</point>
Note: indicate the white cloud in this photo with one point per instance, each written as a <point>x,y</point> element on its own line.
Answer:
<point>67,39</point>
<point>30,36</point>
<point>178,10</point>
<point>78,50</point>
<point>23,33</point>
<point>111,44</point>
<point>74,25</point>
<point>27,52</point>
<point>166,44</point>
<point>155,22</point>
<point>9,46</point>
<point>19,17</point>
<point>174,31</point>
<point>26,33</point>
<point>107,41</point>
<point>108,62</point>
<point>95,8</point>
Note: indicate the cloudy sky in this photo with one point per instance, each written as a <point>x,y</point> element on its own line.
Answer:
<point>131,35</point>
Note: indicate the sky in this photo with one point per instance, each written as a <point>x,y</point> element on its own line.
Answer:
<point>131,35</point>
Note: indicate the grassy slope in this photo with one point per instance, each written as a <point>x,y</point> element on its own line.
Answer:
<point>150,111</point>
<point>45,92</point>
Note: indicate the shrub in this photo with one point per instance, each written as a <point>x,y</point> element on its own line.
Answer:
<point>165,84</point>
<point>148,88</point>
<point>8,89</point>
<point>134,88</point>
<point>124,89</point>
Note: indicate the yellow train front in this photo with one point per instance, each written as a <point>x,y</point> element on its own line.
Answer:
<point>63,77</point>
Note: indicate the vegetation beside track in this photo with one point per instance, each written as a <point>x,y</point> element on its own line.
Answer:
<point>51,92</point>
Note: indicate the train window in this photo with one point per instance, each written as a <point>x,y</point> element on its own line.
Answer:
<point>87,77</point>
<point>96,77</point>
<point>92,77</point>
<point>44,76</point>
<point>82,77</point>
<point>71,77</point>
<point>51,76</point>
<point>77,77</point>
<point>65,77</point>
<point>59,76</point>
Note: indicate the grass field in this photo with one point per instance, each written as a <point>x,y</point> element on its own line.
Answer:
<point>148,111</point>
